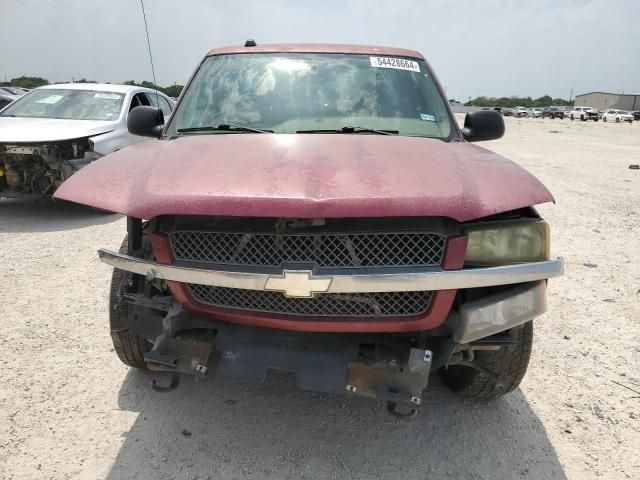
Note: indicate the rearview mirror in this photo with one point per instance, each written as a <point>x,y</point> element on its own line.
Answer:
<point>145,121</point>
<point>483,125</point>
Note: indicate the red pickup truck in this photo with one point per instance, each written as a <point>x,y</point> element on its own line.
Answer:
<point>315,209</point>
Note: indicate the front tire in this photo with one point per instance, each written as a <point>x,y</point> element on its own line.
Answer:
<point>510,363</point>
<point>129,347</point>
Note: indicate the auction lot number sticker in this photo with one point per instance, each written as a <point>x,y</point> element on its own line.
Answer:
<point>397,63</point>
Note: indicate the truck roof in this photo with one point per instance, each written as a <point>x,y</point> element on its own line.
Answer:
<point>318,48</point>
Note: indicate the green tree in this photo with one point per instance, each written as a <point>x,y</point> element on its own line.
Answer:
<point>543,101</point>
<point>29,82</point>
<point>562,102</point>
<point>510,102</point>
<point>173,90</point>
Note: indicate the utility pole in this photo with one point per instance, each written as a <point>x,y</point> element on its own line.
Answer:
<point>570,96</point>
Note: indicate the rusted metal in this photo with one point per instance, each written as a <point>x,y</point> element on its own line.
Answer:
<point>391,381</point>
<point>182,355</point>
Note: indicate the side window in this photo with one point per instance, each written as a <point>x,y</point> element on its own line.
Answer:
<point>138,100</point>
<point>160,102</point>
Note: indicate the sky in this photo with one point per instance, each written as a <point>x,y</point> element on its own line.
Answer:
<point>486,47</point>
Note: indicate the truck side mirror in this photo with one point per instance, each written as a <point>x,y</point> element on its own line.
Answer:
<point>483,125</point>
<point>145,121</point>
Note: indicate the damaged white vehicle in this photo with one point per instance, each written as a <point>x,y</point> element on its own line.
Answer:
<point>53,131</point>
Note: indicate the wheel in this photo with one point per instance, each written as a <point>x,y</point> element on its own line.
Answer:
<point>129,347</point>
<point>510,363</point>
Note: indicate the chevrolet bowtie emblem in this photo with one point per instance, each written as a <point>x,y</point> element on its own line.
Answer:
<point>298,283</point>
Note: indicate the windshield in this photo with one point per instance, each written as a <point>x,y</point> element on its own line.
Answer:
<point>67,104</point>
<point>289,93</point>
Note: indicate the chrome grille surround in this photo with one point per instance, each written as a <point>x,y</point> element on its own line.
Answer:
<point>323,250</point>
<point>383,304</point>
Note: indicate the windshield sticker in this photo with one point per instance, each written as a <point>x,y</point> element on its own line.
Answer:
<point>427,117</point>
<point>110,96</point>
<point>51,99</point>
<point>397,63</point>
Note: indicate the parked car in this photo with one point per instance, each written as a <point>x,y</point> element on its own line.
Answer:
<point>8,95</point>
<point>507,112</point>
<point>6,99</point>
<point>53,131</point>
<point>300,217</point>
<point>636,114</point>
<point>520,112</point>
<point>16,92</point>
<point>617,116</point>
<point>584,114</point>
<point>552,112</point>
<point>535,112</point>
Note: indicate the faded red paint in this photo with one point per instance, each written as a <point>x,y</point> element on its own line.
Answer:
<point>318,48</point>
<point>305,175</point>
<point>435,315</point>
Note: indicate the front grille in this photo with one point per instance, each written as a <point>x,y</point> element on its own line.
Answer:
<point>384,304</point>
<point>324,250</point>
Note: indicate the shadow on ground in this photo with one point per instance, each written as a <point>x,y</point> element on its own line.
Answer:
<point>46,215</point>
<point>211,430</point>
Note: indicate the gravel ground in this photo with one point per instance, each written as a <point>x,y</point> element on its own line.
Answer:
<point>69,409</point>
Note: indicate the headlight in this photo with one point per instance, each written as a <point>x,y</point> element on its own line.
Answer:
<point>500,244</point>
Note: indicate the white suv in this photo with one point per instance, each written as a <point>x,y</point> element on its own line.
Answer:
<point>584,114</point>
<point>617,116</point>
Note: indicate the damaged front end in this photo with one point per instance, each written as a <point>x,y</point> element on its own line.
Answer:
<point>391,368</point>
<point>359,353</point>
<point>40,168</point>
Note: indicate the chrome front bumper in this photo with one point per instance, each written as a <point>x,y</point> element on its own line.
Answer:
<point>418,279</point>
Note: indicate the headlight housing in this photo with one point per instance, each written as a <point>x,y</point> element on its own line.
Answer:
<point>503,243</point>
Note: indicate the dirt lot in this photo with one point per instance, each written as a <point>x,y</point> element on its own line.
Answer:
<point>69,409</point>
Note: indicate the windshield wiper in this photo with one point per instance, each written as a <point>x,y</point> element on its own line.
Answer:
<point>224,127</point>
<point>349,129</point>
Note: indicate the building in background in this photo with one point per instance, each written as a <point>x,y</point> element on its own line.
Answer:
<point>604,101</point>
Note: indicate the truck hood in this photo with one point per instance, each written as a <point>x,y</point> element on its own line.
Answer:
<point>38,130</point>
<point>304,176</point>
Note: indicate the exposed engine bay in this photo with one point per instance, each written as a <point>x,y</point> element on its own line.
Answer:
<point>39,169</point>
